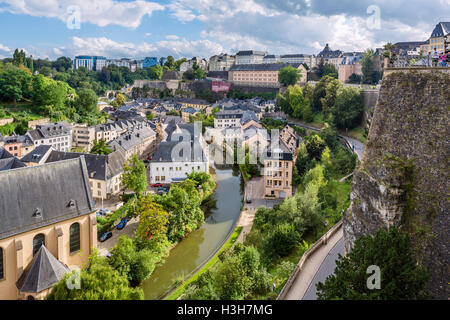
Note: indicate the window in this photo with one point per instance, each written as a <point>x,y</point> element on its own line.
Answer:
<point>99,193</point>
<point>1,264</point>
<point>75,237</point>
<point>38,241</point>
<point>163,178</point>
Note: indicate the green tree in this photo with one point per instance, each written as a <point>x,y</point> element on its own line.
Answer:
<point>15,84</point>
<point>348,109</point>
<point>153,219</point>
<point>354,78</point>
<point>319,92</point>
<point>280,242</point>
<point>331,92</point>
<point>170,63</point>
<point>19,58</point>
<point>367,65</point>
<point>86,101</point>
<point>314,145</point>
<point>401,278</point>
<point>99,282</point>
<point>289,76</point>
<point>330,70</point>
<point>156,72</point>
<point>100,147</point>
<point>134,175</point>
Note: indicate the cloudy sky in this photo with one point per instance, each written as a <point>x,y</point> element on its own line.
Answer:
<point>184,28</point>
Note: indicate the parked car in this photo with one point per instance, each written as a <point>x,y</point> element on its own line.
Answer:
<point>248,200</point>
<point>103,211</point>
<point>122,224</point>
<point>162,190</point>
<point>105,236</point>
<point>157,185</point>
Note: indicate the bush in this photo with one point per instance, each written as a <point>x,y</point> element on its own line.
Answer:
<point>281,241</point>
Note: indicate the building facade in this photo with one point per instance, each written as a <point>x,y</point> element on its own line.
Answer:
<point>250,57</point>
<point>58,135</point>
<point>437,39</point>
<point>262,75</point>
<point>222,62</point>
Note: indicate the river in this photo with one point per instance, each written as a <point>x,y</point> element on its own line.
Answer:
<point>198,246</point>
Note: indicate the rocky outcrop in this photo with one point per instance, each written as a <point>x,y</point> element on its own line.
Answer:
<point>403,179</point>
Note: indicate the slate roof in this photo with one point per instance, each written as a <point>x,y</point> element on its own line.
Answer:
<point>42,273</point>
<point>248,116</point>
<point>295,56</point>
<point>5,154</point>
<point>190,110</point>
<point>38,153</point>
<point>100,167</point>
<point>132,137</point>
<point>38,196</point>
<point>11,163</point>
<point>251,52</point>
<point>50,130</point>
<point>441,30</point>
<point>263,66</point>
<point>281,153</point>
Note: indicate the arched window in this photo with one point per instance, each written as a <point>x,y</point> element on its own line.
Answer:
<point>38,241</point>
<point>1,264</point>
<point>75,237</point>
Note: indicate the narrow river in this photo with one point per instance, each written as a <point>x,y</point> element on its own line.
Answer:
<point>197,247</point>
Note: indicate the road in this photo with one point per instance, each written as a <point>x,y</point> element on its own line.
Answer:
<point>356,145</point>
<point>326,268</point>
<point>307,278</point>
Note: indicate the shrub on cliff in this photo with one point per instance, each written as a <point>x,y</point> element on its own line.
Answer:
<point>391,251</point>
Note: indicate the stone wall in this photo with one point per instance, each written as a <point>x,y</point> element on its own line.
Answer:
<point>6,121</point>
<point>403,179</point>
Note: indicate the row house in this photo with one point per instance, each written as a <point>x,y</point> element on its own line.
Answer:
<point>51,229</point>
<point>18,146</point>
<point>104,171</point>
<point>140,141</point>
<point>58,135</point>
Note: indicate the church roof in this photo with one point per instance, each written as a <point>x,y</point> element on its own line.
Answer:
<point>43,272</point>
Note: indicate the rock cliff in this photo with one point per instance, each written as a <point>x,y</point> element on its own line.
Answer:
<point>403,179</point>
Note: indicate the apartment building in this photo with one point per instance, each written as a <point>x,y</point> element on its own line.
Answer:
<point>83,137</point>
<point>222,62</point>
<point>250,57</point>
<point>140,141</point>
<point>262,75</point>
<point>437,39</point>
<point>278,169</point>
<point>58,135</point>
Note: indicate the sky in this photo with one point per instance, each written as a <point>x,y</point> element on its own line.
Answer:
<point>186,28</point>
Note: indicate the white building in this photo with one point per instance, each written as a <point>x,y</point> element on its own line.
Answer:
<point>58,135</point>
<point>202,63</point>
<point>222,62</point>
<point>185,152</point>
<point>250,57</point>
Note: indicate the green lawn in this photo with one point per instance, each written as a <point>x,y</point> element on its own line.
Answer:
<point>180,290</point>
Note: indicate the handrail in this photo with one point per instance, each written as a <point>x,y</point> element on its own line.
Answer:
<point>322,241</point>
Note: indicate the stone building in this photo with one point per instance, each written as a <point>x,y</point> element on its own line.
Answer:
<point>222,62</point>
<point>52,227</point>
<point>261,75</point>
<point>58,135</point>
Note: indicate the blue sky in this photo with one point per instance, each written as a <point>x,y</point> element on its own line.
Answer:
<point>184,28</point>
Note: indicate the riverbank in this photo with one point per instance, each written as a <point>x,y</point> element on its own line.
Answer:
<point>197,249</point>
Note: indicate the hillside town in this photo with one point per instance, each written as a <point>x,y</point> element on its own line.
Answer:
<point>142,165</point>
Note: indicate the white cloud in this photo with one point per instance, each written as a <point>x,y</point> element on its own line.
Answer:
<point>99,12</point>
<point>148,34</point>
<point>4,48</point>
<point>113,49</point>
<point>172,37</point>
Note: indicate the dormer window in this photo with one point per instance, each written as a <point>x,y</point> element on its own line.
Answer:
<point>37,213</point>
<point>71,203</point>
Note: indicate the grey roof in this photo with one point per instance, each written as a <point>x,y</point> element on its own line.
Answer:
<point>248,116</point>
<point>38,153</point>
<point>295,55</point>
<point>195,152</point>
<point>251,52</point>
<point>190,110</point>
<point>50,130</point>
<point>328,53</point>
<point>441,30</point>
<point>38,196</point>
<point>132,137</point>
<point>11,163</point>
<point>280,152</point>
<point>5,154</point>
<point>263,67</point>
<point>99,167</point>
<point>42,273</point>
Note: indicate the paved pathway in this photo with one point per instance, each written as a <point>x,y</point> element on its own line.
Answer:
<point>327,267</point>
<point>130,229</point>
<point>306,276</point>
<point>358,145</point>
